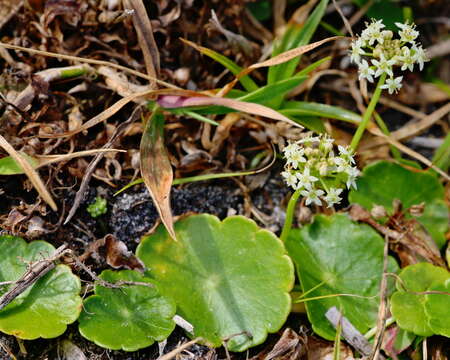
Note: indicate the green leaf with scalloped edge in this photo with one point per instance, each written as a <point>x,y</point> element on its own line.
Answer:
<point>437,308</point>
<point>408,307</point>
<point>230,279</point>
<point>129,318</point>
<point>335,255</point>
<point>49,305</point>
<point>382,182</point>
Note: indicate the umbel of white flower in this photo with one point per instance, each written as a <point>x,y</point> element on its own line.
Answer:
<point>313,169</point>
<point>376,52</point>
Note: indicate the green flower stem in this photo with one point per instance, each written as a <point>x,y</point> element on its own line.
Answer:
<point>368,113</point>
<point>324,185</point>
<point>289,215</point>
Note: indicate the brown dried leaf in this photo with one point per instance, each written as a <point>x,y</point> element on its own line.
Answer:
<point>276,60</point>
<point>319,349</point>
<point>175,101</point>
<point>156,169</point>
<point>146,40</point>
<point>290,346</point>
<point>118,255</point>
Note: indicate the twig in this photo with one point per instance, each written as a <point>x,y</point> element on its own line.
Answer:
<point>182,323</point>
<point>175,352</point>
<point>117,285</point>
<point>7,350</point>
<point>344,19</point>
<point>383,309</point>
<point>35,271</point>
<point>349,332</point>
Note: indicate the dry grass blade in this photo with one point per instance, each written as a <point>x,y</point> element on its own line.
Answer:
<point>104,115</point>
<point>145,36</point>
<point>89,61</point>
<point>171,101</point>
<point>276,60</point>
<point>30,172</point>
<point>45,160</point>
<point>410,152</point>
<point>156,169</point>
<point>290,54</point>
<point>414,128</point>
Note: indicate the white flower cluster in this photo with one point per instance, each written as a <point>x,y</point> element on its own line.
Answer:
<point>312,167</point>
<point>383,52</point>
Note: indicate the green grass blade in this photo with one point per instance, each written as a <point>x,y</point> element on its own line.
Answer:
<point>265,94</point>
<point>246,81</point>
<point>313,66</point>
<point>303,108</point>
<point>295,36</point>
<point>312,123</point>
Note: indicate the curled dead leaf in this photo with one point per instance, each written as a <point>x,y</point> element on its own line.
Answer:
<point>156,169</point>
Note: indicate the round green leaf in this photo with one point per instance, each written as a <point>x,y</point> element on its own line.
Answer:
<point>230,279</point>
<point>437,308</point>
<point>46,307</point>
<point>408,307</point>
<point>128,318</point>
<point>336,256</point>
<point>382,182</point>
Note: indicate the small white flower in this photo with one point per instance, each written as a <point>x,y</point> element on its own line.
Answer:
<point>365,71</point>
<point>346,152</point>
<point>342,164</point>
<point>309,139</point>
<point>407,33</point>
<point>295,158</point>
<point>289,178</point>
<point>327,142</point>
<point>312,196</point>
<point>322,167</point>
<point>333,197</point>
<point>407,59</point>
<point>290,149</point>
<point>419,56</point>
<point>305,179</point>
<point>393,85</point>
<point>352,173</point>
<point>387,35</point>
<point>357,51</point>
<point>372,32</point>
<point>376,25</point>
<point>384,66</point>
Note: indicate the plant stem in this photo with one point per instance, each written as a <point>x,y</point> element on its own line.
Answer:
<point>371,333</point>
<point>368,113</point>
<point>289,215</point>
